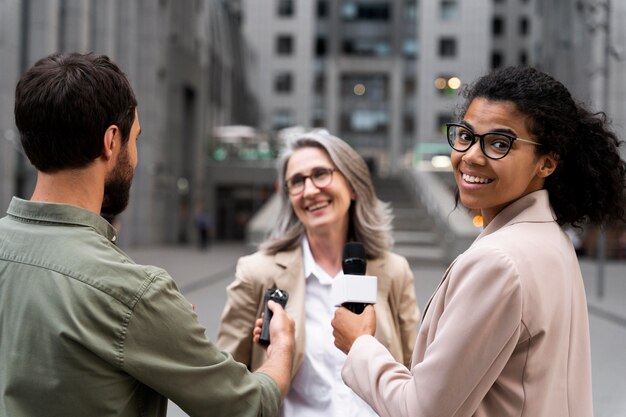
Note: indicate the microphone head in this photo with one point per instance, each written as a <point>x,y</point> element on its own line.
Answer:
<point>353,261</point>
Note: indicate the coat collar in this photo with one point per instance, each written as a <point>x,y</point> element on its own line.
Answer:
<point>532,208</point>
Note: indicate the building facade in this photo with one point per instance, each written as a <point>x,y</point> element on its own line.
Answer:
<point>188,65</point>
<point>382,74</point>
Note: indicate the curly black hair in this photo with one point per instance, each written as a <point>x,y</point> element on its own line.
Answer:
<point>589,183</point>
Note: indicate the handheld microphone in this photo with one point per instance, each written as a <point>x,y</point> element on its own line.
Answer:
<point>354,290</point>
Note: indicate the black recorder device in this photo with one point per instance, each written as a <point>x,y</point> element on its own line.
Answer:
<point>279,296</point>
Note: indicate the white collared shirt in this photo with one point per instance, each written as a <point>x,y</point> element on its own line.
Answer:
<point>317,389</point>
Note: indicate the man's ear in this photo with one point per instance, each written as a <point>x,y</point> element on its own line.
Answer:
<point>548,165</point>
<point>111,142</point>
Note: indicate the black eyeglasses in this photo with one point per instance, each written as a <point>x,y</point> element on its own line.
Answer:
<point>321,177</point>
<point>495,145</point>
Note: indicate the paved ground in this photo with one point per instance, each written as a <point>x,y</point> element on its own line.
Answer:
<point>202,277</point>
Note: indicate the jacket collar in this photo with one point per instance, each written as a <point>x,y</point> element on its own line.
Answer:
<point>532,208</point>
<point>61,214</point>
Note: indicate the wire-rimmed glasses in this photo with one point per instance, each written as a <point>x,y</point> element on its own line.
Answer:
<point>321,177</point>
<point>495,145</point>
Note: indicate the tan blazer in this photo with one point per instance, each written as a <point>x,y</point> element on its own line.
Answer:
<point>505,334</point>
<point>396,309</point>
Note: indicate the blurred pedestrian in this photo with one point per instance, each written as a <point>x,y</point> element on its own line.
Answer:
<point>327,199</point>
<point>203,226</point>
<point>506,332</point>
<point>84,331</point>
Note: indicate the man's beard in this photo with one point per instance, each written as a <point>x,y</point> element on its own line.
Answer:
<point>117,187</point>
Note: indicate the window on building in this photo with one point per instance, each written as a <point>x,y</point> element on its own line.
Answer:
<point>351,10</point>
<point>523,58</point>
<point>409,86</point>
<point>319,83</point>
<point>362,46</point>
<point>447,47</point>
<point>408,124</point>
<point>374,87</point>
<point>449,9</point>
<point>320,46</point>
<point>318,120</point>
<point>524,25</point>
<point>497,26</point>
<point>411,10</point>
<point>440,122</point>
<point>366,121</point>
<point>283,82</point>
<point>284,45</point>
<point>285,8</point>
<point>409,48</point>
<point>322,9</point>
<point>447,84</point>
<point>497,59</point>
<point>282,118</point>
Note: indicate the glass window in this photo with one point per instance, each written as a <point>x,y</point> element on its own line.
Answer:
<point>322,8</point>
<point>366,47</point>
<point>408,124</point>
<point>285,8</point>
<point>523,58</point>
<point>497,26</point>
<point>372,86</point>
<point>449,9</point>
<point>283,82</point>
<point>440,123</point>
<point>447,84</point>
<point>319,83</point>
<point>282,118</point>
<point>409,48</point>
<point>320,46</point>
<point>411,10</point>
<point>497,59</point>
<point>447,47</point>
<point>524,25</point>
<point>284,45</point>
<point>369,121</point>
<point>365,11</point>
<point>409,86</point>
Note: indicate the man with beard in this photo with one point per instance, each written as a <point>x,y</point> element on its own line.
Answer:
<point>84,330</point>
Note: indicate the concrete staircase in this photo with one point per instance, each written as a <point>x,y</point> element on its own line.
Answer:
<point>415,234</point>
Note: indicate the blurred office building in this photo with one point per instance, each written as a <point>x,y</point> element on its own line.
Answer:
<point>189,66</point>
<point>383,75</point>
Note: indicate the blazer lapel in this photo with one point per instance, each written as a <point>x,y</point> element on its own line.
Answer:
<point>291,278</point>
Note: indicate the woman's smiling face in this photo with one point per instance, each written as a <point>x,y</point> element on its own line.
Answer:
<point>319,208</point>
<point>490,185</point>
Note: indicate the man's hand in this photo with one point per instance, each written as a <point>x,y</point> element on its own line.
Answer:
<point>347,326</point>
<point>280,350</point>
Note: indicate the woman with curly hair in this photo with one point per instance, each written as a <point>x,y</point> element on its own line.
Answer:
<point>506,332</point>
<point>327,199</point>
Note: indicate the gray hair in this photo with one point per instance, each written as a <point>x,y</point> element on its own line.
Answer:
<point>370,218</point>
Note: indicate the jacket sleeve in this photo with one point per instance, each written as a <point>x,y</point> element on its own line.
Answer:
<point>478,327</point>
<point>165,347</point>
<point>244,296</point>
<point>408,312</point>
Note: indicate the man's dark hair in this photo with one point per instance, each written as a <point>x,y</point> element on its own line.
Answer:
<point>64,104</point>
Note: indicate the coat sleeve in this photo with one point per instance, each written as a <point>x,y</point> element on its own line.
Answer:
<point>408,312</point>
<point>244,296</point>
<point>477,326</point>
<point>166,348</point>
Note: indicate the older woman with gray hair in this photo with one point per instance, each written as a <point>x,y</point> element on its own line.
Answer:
<point>327,199</point>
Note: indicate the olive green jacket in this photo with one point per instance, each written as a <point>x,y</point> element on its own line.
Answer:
<point>84,331</point>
